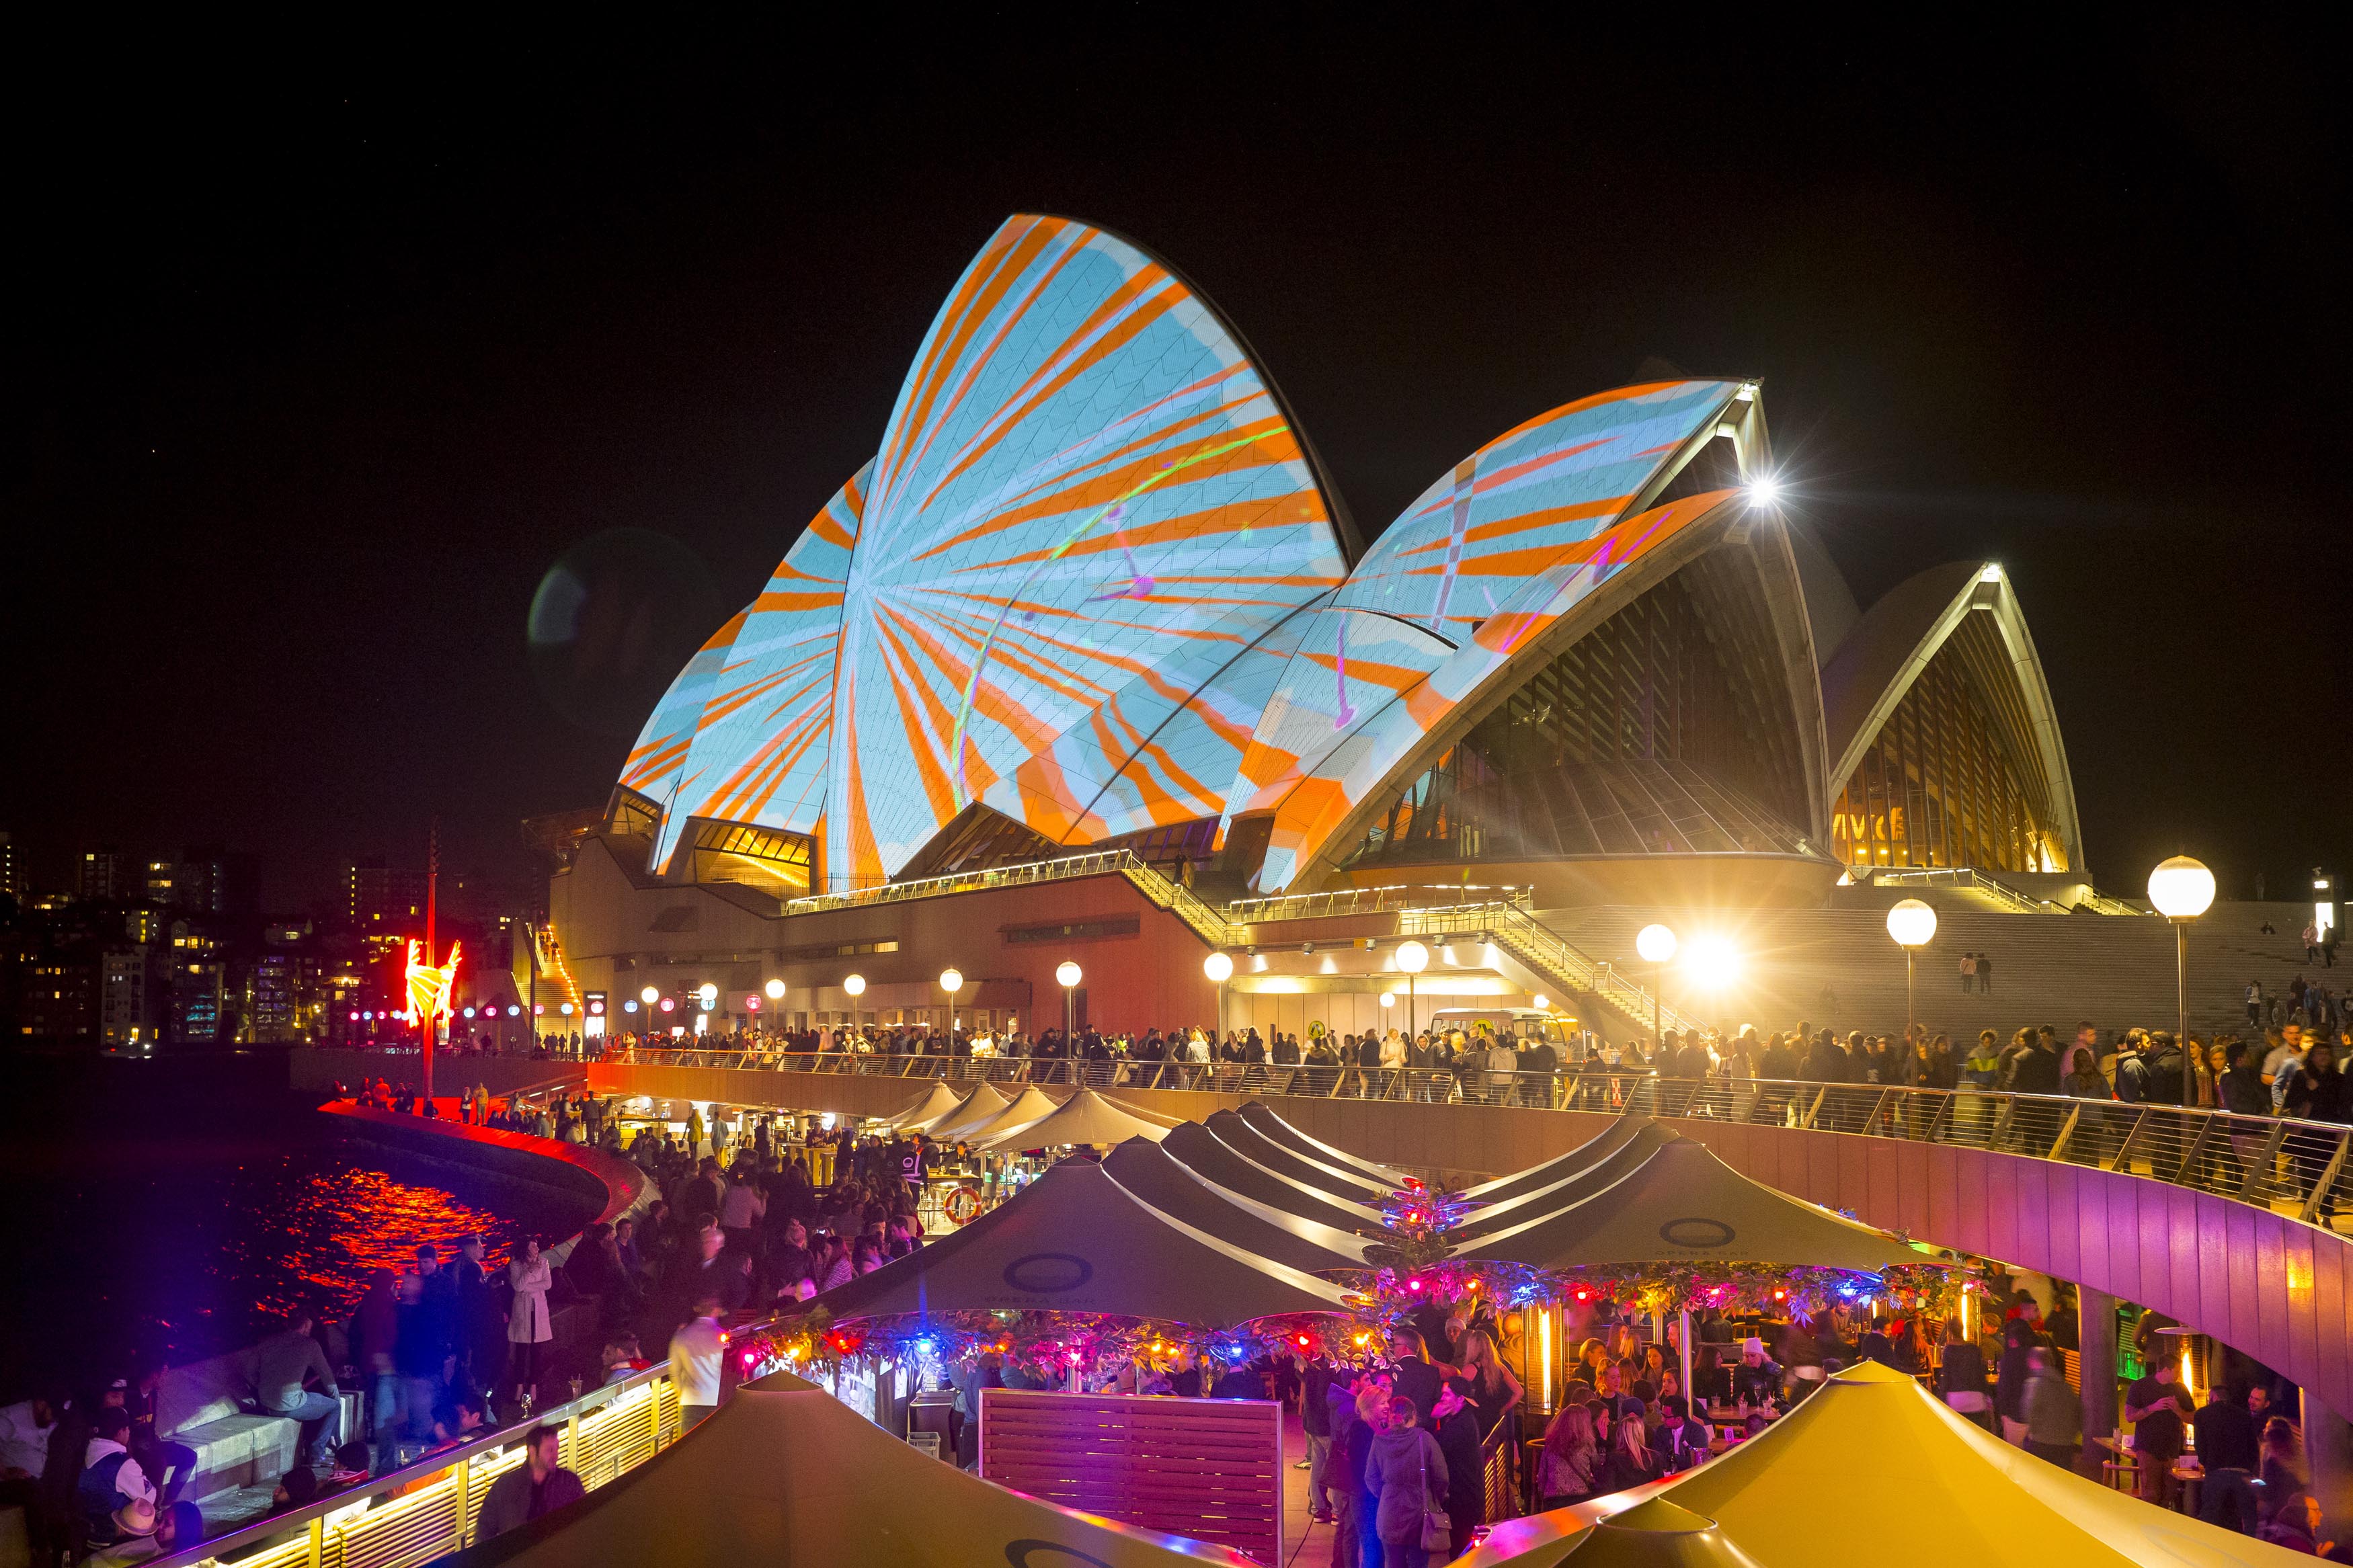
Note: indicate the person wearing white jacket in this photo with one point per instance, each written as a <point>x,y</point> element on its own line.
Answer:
<point>528,1324</point>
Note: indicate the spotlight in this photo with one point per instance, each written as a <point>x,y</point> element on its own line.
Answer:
<point>1765,490</point>
<point>1712,962</point>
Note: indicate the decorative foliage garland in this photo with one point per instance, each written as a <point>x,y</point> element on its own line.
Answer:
<point>1045,1346</point>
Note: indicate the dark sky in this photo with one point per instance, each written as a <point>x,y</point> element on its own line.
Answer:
<point>320,357</point>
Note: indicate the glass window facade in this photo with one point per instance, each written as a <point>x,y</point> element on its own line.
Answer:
<point>1665,730</point>
<point>1950,779</point>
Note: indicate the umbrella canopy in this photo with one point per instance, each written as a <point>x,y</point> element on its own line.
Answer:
<point>1584,1157</point>
<point>1145,1168</point>
<point>1264,1117</point>
<point>1684,1205</point>
<point>1236,1132</point>
<point>1033,1104</point>
<point>936,1105</point>
<point>1656,1534</point>
<point>1085,1118</point>
<point>1208,1156</point>
<point>975,1110</point>
<point>1964,1500</point>
<point>1074,1240</point>
<point>830,1487</point>
<point>1608,1168</point>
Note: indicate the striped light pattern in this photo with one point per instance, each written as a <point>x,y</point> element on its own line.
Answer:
<point>758,751</point>
<point>1090,582</point>
<point>1512,538</point>
<point>1088,511</point>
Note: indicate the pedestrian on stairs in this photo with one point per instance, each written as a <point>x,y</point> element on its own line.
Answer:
<point>1984,974</point>
<point>1969,972</point>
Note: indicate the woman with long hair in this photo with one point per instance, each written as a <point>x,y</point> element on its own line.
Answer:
<point>1495,1392</point>
<point>1630,1463</point>
<point>1571,1461</point>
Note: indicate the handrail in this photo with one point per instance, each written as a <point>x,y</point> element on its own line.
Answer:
<point>1096,863</point>
<point>1361,901</point>
<point>2001,892</point>
<point>428,1507</point>
<point>1543,950</point>
<point>2267,1161</point>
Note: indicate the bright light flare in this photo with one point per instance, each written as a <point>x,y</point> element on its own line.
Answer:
<point>1765,490</point>
<point>1712,962</point>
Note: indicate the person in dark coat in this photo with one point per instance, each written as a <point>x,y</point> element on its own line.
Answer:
<point>1413,1376</point>
<point>1459,1439</point>
<point>533,1490</point>
<point>1405,1472</point>
<point>1961,1381</point>
<point>2229,1450</point>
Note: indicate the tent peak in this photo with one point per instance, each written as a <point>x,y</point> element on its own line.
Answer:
<point>1658,1516</point>
<point>1868,1371</point>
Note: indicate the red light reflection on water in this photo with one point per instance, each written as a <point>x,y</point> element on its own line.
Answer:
<point>319,1237</point>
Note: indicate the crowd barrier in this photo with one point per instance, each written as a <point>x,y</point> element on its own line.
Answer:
<point>2260,1160</point>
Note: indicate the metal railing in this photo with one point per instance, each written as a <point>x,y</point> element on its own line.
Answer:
<point>2264,1160</point>
<point>1366,901</point>
<point>1539,948</point>
<point>2001,892</point>
<point>1100,863</point>
<point>429,1507</point>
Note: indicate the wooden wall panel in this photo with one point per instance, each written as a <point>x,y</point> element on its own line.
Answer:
<point>1209,1469</point>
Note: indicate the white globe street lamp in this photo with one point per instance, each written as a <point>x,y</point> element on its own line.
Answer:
<point>2182,890</point>
<point>952,982</point>
<point>1219,968</point>
<point>775,990</point>
<point>708,994</point>
<point>650,995</point>
<point>1067,974</point>
<point>1656,944</point>
<point>1912,923</point>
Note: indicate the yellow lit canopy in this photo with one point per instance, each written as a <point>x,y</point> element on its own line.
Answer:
<point>978,1107</point>
<point>934,1107</point>
<point>1957,1496</point>
<point>786,1476</point>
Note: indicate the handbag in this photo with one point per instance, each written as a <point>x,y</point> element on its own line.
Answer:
<point>1437,1529</point>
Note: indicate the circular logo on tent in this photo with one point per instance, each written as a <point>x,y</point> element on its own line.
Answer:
<point>1047,1554</point>
<point>1701,1235</point>
<point>1048,1273</point>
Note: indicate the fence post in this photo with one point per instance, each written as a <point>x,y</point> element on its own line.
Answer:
<point>2321,1188</point>
<point>2259,1170</point>
<point>2066,1131</point>
<point>2124,1150</point>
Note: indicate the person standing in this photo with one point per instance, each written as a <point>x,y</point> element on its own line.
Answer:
<point>1968,972</point>
<point>2054,1415</point>
<point>529,1325</point>
<point>2229,1450</point>
<point>1984,974</point>
<point>1315,1422</point>
<point>1404,1474</point>
<point>533,1490</point>
<point>2157,1407</point>
<point>695,1353</point>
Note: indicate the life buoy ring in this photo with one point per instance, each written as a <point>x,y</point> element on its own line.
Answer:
<point>964,1205</point>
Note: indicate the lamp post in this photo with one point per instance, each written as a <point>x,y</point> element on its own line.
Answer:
<point>775,990</point>
<point>853,987</point>
<point>952,982</point>
<point>1067,974</point>
<point>2182,890</point>
<point>1219,968</point>
<point>1656,944</point>
<point>1412,958</point>
<point>1911,924</point>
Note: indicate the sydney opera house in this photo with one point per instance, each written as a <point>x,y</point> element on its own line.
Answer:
<point>1095,595</point>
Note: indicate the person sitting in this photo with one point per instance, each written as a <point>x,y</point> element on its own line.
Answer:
<point>298,1488</point>
<point>1571,1461</point>
<point>533,1490</point>
<point>1631,1462</point>
<point>110,1479</point>
<point>1683,1440</point>
<point>285,1367</point>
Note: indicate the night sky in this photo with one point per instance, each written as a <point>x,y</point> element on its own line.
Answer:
<point>319,364</point>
